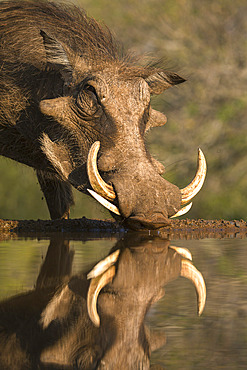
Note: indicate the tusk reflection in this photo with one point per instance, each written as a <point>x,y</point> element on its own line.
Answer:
<point>95,287</point>
<point>184,252</point>
<point>189,271</point>
<point>103,265</point>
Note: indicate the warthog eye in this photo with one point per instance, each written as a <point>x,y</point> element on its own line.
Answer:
<point>91,89</point>
<point>87,104</point>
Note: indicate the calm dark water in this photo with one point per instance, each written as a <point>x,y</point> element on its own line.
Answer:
<point>216,340</point>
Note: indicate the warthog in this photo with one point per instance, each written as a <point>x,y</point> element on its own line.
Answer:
<point>97,324</point>
<point>76,108</point>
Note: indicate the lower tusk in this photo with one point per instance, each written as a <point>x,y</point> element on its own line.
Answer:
<point>95,287</point>
<point>196,184</point>
<point>103,265</point>
<point>189,271</point>
<point>182,211</point>
<point>104,202</point>
<point>184,252</point>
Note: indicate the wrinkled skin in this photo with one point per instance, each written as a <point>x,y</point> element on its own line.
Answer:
<point>50,327</point>
<point>64,85</point>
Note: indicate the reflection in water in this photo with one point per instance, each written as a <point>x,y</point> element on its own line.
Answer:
<point>49,327</point>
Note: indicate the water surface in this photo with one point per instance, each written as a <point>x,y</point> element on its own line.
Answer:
<point>217,339</point>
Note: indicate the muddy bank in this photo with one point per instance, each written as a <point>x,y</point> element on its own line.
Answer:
<point>178,229</point>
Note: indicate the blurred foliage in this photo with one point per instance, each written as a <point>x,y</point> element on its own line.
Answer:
<point>205,41</point>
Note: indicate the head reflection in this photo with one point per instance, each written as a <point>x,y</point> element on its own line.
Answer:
<point>94,319</point>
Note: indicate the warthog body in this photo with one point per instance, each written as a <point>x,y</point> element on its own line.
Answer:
<point>64,84</point>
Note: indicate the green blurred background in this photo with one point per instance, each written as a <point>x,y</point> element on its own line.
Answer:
<point>204,41</point>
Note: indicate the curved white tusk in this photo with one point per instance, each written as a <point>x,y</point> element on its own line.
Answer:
<point>196,184</point>
<point>104,202</point>
<point>96,181</point>
<point>182,211</point>
<point>189,271</point>
<point>103,265</point>
<point>184,252</point>
<point>95,287</point>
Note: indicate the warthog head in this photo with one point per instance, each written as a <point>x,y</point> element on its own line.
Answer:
<point>107,104</point>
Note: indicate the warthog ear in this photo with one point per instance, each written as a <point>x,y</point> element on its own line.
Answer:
<point>57,56</point>
<point>58,308</point>
<point>162,80</point>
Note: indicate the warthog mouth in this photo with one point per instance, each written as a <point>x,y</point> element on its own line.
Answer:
<point>104,193</point>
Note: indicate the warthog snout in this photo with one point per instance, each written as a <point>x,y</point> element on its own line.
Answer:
<point>140,196</point>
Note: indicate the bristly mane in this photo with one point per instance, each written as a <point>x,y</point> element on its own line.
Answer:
<point>68,24</point>
<point>84,35</point>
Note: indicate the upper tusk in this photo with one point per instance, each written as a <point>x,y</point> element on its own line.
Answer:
<point>95,287</point>
<point>103,265</point>
<point>196,184</point>
<point>183,210</point>
<point>96,181</point>
<point>189,271</point>
<point>104,202</point>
